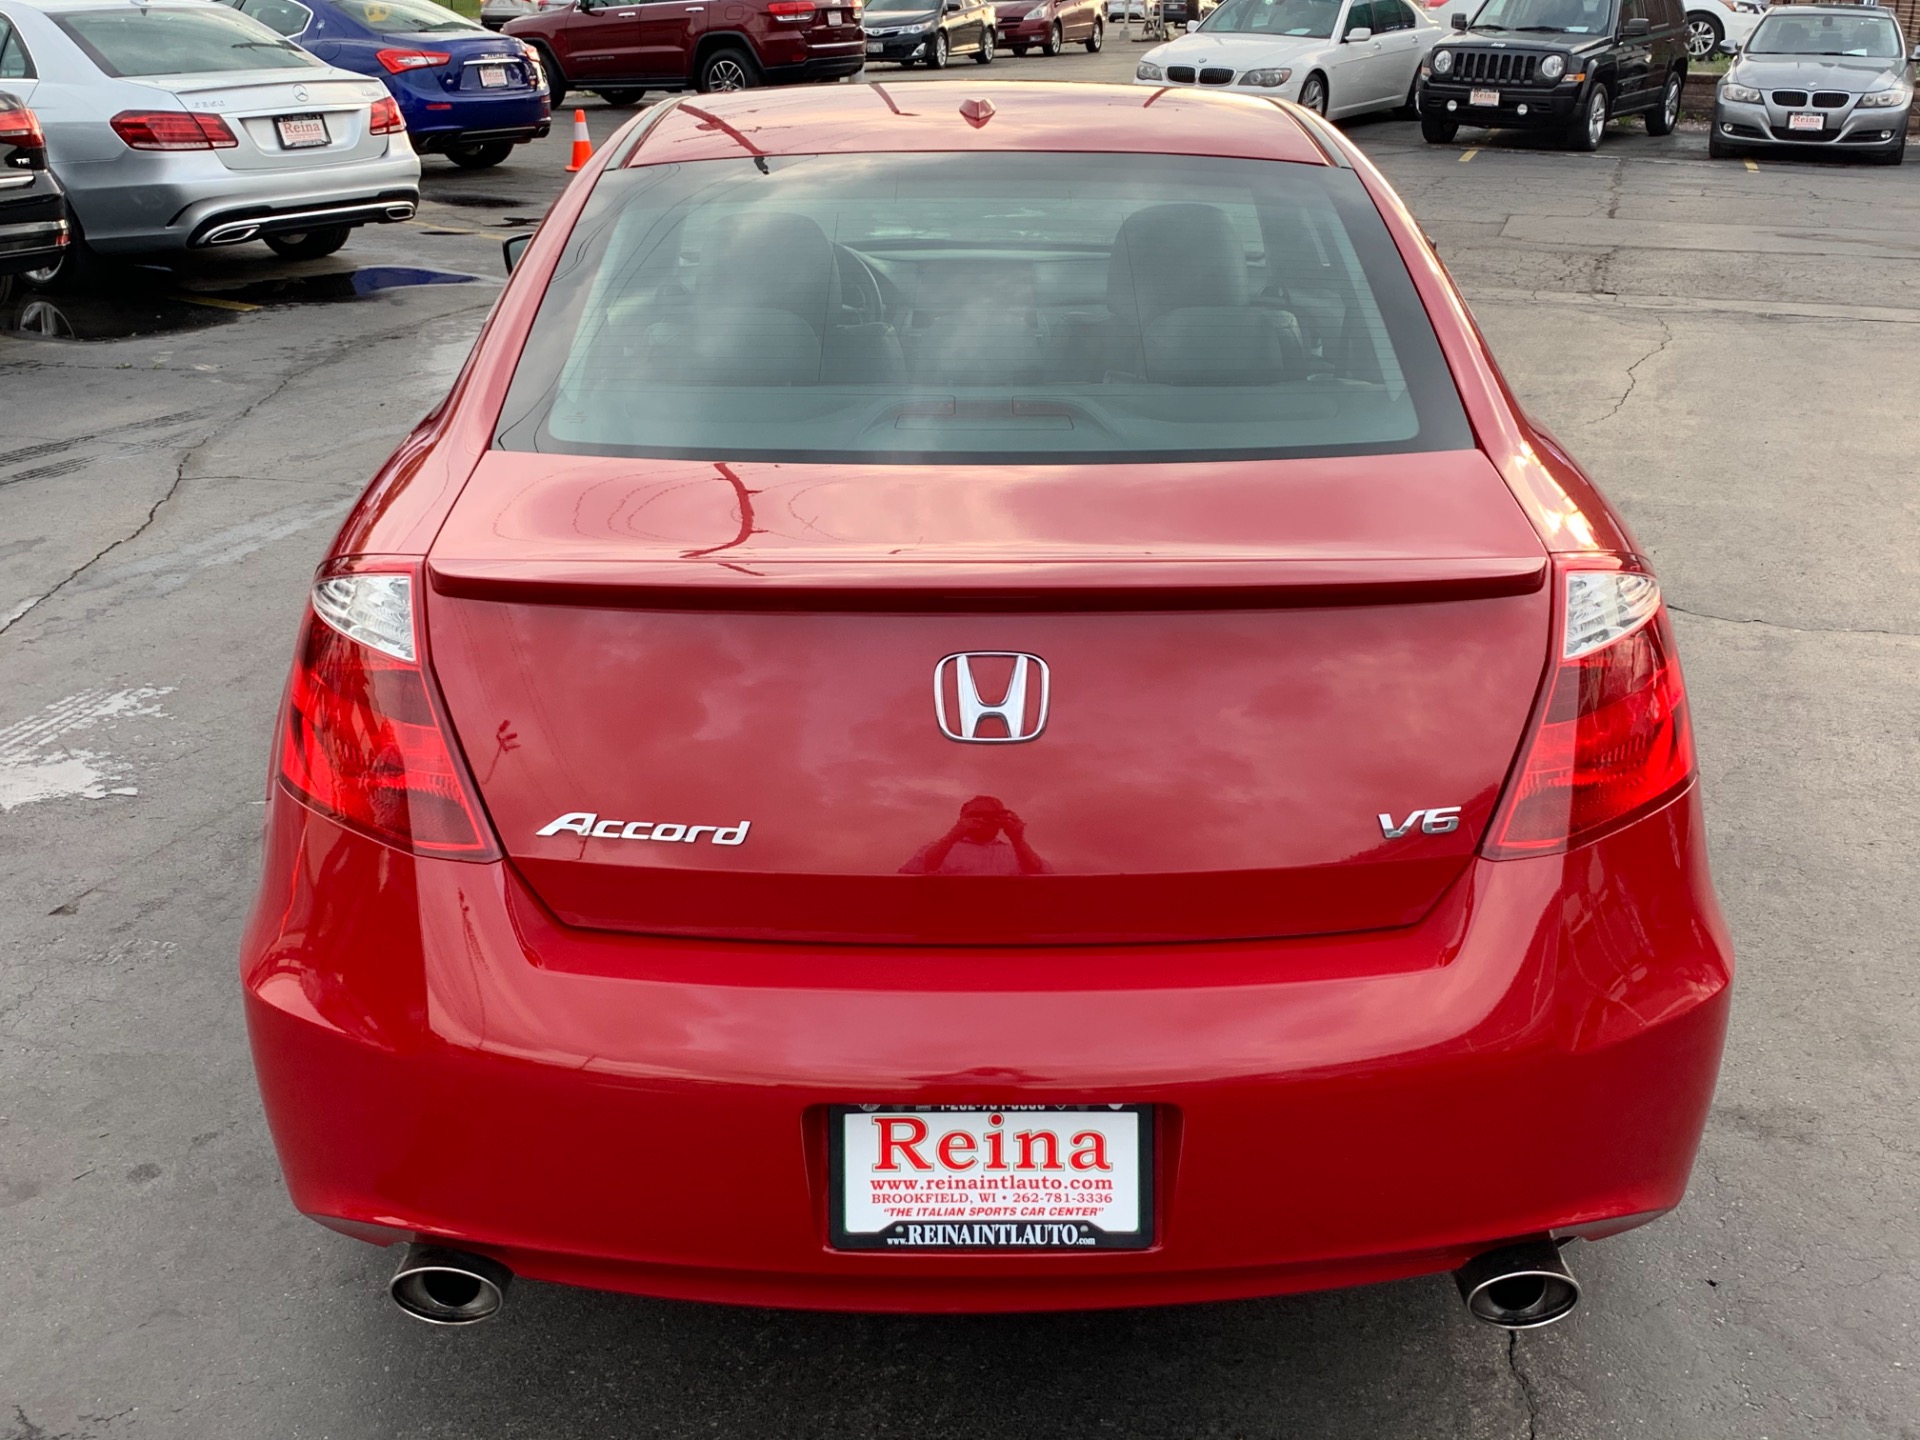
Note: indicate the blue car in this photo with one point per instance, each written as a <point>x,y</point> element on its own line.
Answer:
<point>465,92</point>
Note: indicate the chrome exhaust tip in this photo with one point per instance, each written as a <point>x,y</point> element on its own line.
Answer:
<point>449,1287</point>
<point>1519,1287</point>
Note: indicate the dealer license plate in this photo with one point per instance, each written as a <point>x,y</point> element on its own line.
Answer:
<point>1040,1177</point>
<point>493,77</point>
<point>1485,99</point>
<point>874,47</point>
<point>301,132</point>
<point>1806,120</point>
<point>833,17</point>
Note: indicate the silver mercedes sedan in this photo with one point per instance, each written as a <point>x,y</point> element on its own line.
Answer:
<point>175,124</point>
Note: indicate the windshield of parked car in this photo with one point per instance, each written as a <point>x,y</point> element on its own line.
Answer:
<point>404,17</point>
<point>183,41</point>
<point>1551,17</point>
<point>1288,19</point>
<point>1873,36</point>
<point>1008,308</point>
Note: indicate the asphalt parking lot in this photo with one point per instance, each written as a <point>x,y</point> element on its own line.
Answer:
<point>1730,349</point>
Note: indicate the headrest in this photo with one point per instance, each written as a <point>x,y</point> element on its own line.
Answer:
<point>770,260</point>
<point>1171,257</point>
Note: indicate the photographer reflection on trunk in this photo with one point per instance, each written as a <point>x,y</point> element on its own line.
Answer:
<point>987,839</point>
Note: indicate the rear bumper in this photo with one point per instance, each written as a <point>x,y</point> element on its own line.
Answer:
<point>818,67</point>
<point>28,244</point>
<point>439,1059</point>
<point>432,142</point>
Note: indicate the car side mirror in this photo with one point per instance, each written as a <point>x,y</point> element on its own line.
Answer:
<point>1915,57</point>
<point>512,247</point>
<point>1357,34</point>
<point>1637,26</point>
<point>1729,47</point>
<point>1192,26</point>
<point>1460,22</point>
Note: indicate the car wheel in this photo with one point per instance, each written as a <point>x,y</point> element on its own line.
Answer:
<point>556,77</point>
<point>1313,93</point>
<point>1893,156</point>
<point>1590,121</point>
<point>1018,50</point>
<point>1438,130</point>
<point>728,69</point>
<point>308,244</point>
<point>1054,44</point>
<point>1097,37</point>
<point>984,55</point>
<point>937,51</point>
<point>1663,117</point>
<point>1718,149</point>
<point>1703,35</point>
<point>1410,107</point>
<point>480,157</point>
<point>621,98</point>
<point>78,265</point>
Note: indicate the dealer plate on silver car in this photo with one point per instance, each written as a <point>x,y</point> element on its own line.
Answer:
<point>301,132</point>
<point>1806,120</point>
<point>1485,99</point>
<point>1019,1178</point>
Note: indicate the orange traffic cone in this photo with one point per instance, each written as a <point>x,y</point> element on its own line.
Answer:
<point>582,142</point>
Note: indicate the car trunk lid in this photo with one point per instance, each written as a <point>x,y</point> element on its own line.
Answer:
<point>255,102</point>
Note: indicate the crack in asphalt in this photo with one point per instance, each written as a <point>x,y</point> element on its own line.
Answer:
<point>1633,371</point>
<point>1792,629</point>
<point>1526,1385</point>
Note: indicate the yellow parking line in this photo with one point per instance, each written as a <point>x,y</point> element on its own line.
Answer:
<point>214,302</point>
<point>1468,156</point>
<point>1752,165</point>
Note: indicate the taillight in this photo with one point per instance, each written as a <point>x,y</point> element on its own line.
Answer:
<point>398,61</point>
<point>385,118</point>
<point>172,130</point>
<point>365,741</point>
<point>1613,742</point>
<point>20,128</point>
<point>792,10</point>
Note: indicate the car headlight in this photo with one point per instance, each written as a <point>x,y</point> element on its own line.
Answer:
<point>1267,79</point>
<point>1039,12</point>
<point>1147,70</point>
<point>1553,67</point>
<point>1745,94</point>
<point>1885,99</point>
<point>1443,62</point>
<point>1750,7</point>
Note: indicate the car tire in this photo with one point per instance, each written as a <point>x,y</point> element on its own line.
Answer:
<point>1055,42</point>
<point>728,68</point>
<point>938,50</point>
<point>1097,36</point>
<point>1590,120</point>
<point>78,266</point>
<point>1893,156</point>
<point>1410,107</point>
<point>1438,130</point>
<point>1664,116</point>
<point>984,55</point>
<point>1313,93</point>
<point>1704,34</point>
<point>1718,149</point>
<point>556,77</point>
<point>1018,50</point>
<point>479,157</point>
<point>621,99</point>
<point>308,244</point>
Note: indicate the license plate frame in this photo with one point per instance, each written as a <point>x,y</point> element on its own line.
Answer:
<point>1008,1212</point>
<point>1806,120</point>
<point>875,47</point>
<point>302,132</point>
<point>833,17</point>
<point>494,77</point>
<point>1484,99</point>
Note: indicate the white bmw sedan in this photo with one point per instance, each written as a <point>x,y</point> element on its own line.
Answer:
<point>1338,57</point>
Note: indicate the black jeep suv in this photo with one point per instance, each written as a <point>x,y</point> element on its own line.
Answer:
<point>1566,66</point>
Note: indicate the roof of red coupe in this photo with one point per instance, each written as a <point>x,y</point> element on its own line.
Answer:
<point>817,119</point>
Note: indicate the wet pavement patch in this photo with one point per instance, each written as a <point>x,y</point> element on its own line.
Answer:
<point>147,304</point>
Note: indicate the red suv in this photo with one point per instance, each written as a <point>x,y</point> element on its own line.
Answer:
<point>620,51</point>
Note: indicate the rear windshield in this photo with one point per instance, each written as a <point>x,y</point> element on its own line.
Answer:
<point>405,17</point>
<point>179,42</point>
<point>1871,36</point>
<point>1005,307</point>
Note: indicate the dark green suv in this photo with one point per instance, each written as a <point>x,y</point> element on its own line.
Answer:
<point>1565,66</point>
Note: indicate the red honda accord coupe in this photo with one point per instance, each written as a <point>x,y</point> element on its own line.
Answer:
<point>980,699</point>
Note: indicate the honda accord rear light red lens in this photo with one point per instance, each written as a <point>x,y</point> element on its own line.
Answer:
<point>1614,741</point>
<point>386,117</point>
<point>172,130</point>
<point>365,742</point>
<point>399,60</point>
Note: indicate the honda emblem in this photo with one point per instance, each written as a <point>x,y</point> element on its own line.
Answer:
<point>965,715</point>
